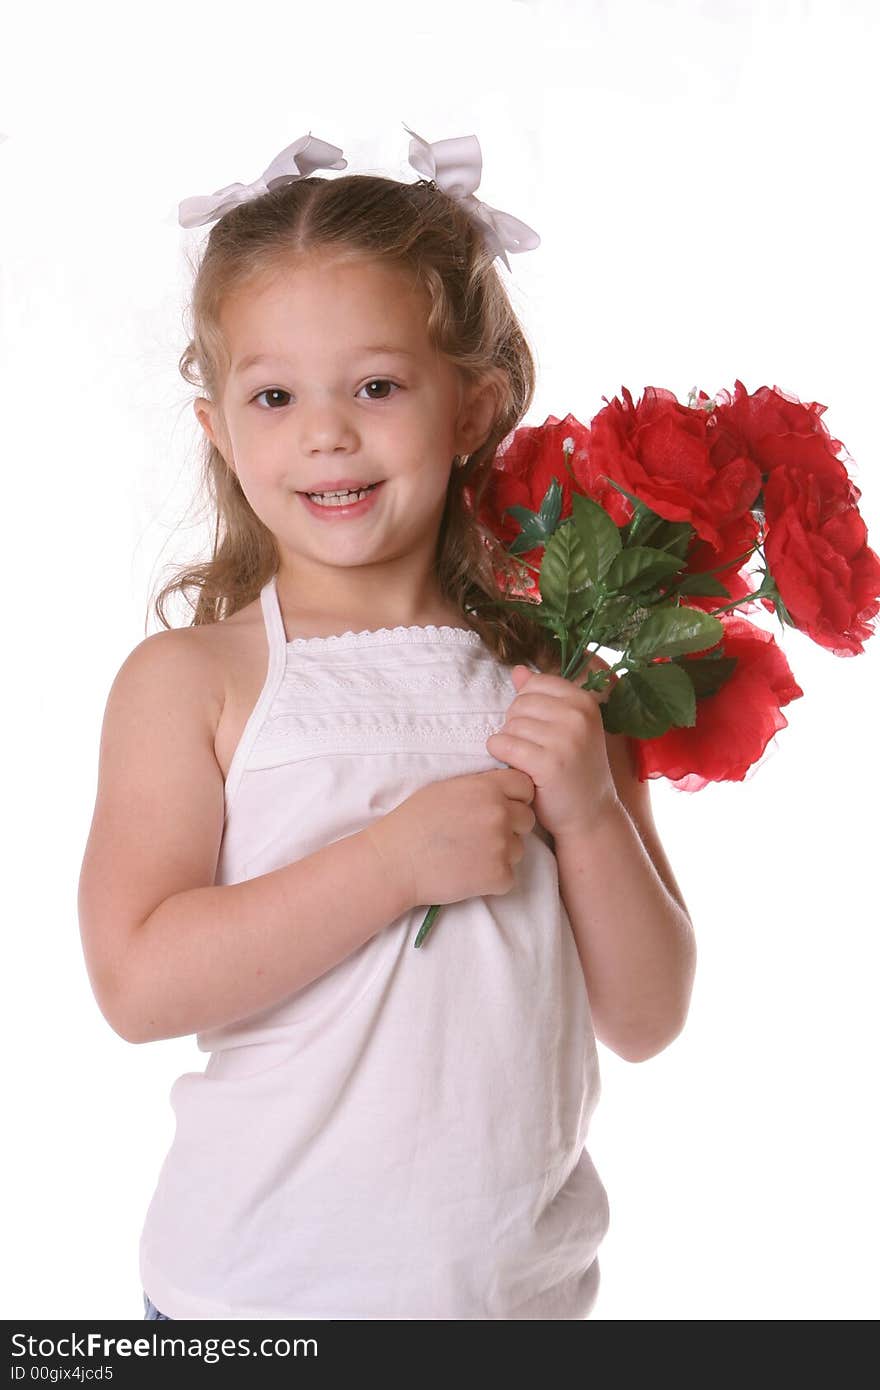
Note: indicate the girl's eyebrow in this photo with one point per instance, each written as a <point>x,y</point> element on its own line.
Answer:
<point>257,357</point>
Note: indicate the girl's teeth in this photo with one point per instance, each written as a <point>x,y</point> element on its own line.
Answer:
<point>338,499</point>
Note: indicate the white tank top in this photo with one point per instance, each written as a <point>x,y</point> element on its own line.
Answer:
<point>402,1138</point>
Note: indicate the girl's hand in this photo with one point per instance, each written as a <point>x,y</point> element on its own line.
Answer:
<point>554,732</point>
<point>458,838</point>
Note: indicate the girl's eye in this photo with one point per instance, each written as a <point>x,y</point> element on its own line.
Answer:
<point>380,381</point>
<point>377,381</point>
<point>271,391</point>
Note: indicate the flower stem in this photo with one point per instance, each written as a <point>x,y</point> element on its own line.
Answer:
<point>426,924</point>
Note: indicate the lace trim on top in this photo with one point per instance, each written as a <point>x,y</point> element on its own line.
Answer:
<point>381,636</point>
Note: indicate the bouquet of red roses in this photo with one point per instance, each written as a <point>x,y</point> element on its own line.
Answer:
<point>635,533</point>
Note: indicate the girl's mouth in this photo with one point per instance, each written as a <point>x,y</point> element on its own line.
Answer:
<point>354,504</point>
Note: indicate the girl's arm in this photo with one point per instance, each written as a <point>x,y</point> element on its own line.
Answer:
<point>168,952</point>
<point>630,921</point>
<point>635,940</point>
<point>208,956</point>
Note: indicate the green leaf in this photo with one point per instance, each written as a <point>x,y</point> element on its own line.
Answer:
<point>564,574</point>
<point>581,604</point>
<point>702,584</point>
<point>551,505</point>
<point>642,516</point>
<point>674,537</point>
<point>640,567</point>
<point>532,533</point>
<point>647,525</point>
<point>708,673</point>
<point>617,610</point>
<point>537,527</point>
<point>671,631</point>
<point>649,702</point>
<point>599,536</point>
<point>621,637</point>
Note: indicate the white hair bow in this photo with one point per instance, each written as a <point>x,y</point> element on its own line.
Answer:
<point>296,161</point>
<point>456,166</point>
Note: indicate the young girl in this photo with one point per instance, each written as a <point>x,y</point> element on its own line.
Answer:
<point>286,785</point>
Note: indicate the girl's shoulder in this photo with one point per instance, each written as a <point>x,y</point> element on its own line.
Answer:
<point>221,653</point>
<point>193,652</point>
<point>184,654</point>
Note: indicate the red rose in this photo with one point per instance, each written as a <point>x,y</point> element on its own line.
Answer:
<point>817,552</point>
<point>771,429</point>
<point>663,453</point>
<point>816,545</point>
<point>733,726</point>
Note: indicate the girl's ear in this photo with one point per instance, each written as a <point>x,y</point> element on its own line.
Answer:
<point>479,409</point>
<point>204,413</point>
<point>208,417</point>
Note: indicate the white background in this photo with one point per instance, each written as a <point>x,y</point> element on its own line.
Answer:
<point>702,176</point>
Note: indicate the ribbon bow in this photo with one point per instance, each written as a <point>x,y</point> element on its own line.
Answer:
<point>456,166</point>
<point>296,161</point>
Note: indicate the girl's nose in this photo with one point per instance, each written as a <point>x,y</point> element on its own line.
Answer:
<point>325,426</point>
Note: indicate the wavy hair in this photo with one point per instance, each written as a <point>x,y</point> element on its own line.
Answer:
<point>417,228</point>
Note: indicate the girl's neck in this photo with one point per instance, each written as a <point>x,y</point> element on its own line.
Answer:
<point>301,623</point>
<point>312,622</point>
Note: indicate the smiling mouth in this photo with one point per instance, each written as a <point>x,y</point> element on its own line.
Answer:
<point>343,492</point>
<point>348,501</point>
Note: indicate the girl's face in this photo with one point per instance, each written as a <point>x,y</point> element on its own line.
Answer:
<point>349,389</point>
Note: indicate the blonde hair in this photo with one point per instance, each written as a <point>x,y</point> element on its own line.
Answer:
<point>418,229</point>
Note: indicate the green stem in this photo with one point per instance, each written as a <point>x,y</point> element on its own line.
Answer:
<point>580,648</point>
<point>426,924</point>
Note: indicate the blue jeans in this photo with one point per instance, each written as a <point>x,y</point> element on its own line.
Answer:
<point>151,1312</point>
